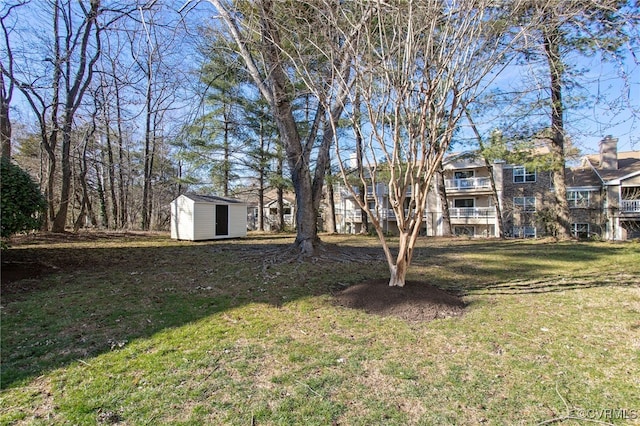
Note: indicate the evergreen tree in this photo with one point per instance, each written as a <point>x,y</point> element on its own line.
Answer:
<point>22,203</point>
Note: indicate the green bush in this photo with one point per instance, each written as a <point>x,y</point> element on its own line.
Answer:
<point>22,203</point>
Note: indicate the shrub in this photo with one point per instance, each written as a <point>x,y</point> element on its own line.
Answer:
<point>22,203</point>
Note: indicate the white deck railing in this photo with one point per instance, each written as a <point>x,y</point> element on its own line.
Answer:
<point>630,206</point>
<point>467,184</point>
<point>455,213</point>
<point>472,212</point>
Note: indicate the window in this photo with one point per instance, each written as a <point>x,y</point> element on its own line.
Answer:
<point>463,202</point>
<point>578,198</point>
<point>521,174</point>
<point>464,179</point>
<point>465,174</point>
<point>527,204</point>
<point>467,231</point>
<point>580,230</point>
<point>524,231</point>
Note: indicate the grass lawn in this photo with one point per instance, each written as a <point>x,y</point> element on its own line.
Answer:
<point>139,329</point>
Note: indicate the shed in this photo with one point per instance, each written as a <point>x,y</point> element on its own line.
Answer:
<point>205,217</point>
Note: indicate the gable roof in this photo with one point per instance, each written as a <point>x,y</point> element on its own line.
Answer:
<point>461,160</point>
<point>628,166</point>
<point>581,177</point>
<point>211,199</point>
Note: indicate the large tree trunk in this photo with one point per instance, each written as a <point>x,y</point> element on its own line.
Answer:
<point>146,190</point>
<point>496,200</point>
<point>112,180</point>
<point>280,92</point>
<point>75,88</point>
<point>331,202</point>
<point>122,222</point>
<point>442,193</point>
<point>551,35</point>
<point>362,188</point>
<point>261,179</point>
<point>5,121</point>
<point>48,141</point>
<point>82,178</point>
<point>398,270</point>
<point>226,164</point>
<point>60,220</point>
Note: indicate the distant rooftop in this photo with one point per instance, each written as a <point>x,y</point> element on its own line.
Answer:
<point>628,163</point>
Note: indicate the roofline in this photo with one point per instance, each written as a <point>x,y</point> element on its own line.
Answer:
<point>616,181</point>
<point>227,199</point>
<point>595,170</point>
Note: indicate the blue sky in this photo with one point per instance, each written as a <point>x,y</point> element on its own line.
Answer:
<point>609,101</point>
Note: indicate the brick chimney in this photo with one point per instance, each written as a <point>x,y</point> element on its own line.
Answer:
<point>609,153</point>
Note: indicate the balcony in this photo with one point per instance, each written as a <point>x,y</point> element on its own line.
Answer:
<point>381,192</point>
<point>472,212</point>
<point>630,206</point>
<point>467,184</point>
<point>455,213</point>
<point>354,216</point>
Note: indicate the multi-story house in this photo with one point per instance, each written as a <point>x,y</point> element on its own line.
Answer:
<point>527,201</point>
<point>618,194</point>
<point>603,195</point>
<point>270,211</point>
<point>350,218</point>
<point>469,196</point>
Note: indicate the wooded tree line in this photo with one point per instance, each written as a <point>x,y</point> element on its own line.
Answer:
<point>130,103</point>
<point>118,107</point>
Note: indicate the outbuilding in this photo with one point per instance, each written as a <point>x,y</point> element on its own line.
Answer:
<point>205,217</point>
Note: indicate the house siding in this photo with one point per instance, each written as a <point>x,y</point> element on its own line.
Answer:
<point>605,214</point>
<point>514,216</point>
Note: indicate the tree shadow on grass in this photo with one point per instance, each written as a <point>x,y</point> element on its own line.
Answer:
<point>517,267</point>
<point>76,300</point>
<point>90,299</point>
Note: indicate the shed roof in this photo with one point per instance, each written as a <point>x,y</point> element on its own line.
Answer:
<point>212,199</point>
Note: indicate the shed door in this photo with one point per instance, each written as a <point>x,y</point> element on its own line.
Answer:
<point>222,219</point>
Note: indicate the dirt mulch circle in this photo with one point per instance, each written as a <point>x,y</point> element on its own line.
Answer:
<point>415,302</point>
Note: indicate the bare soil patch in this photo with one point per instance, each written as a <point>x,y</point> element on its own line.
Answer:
<point>416,301</point>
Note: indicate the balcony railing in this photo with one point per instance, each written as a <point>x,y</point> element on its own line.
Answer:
<point>630,206</point>
<point>354,216</point>
<point>472,212</point>
<point>455,213</point>
<point>467,184</point>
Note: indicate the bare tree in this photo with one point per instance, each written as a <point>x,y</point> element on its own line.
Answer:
<point>270,37</point>
<point>416,66</point>
<point>158,51</point>
<point>8,84</point>
<point>53,72</point>
<point>558,32</point>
